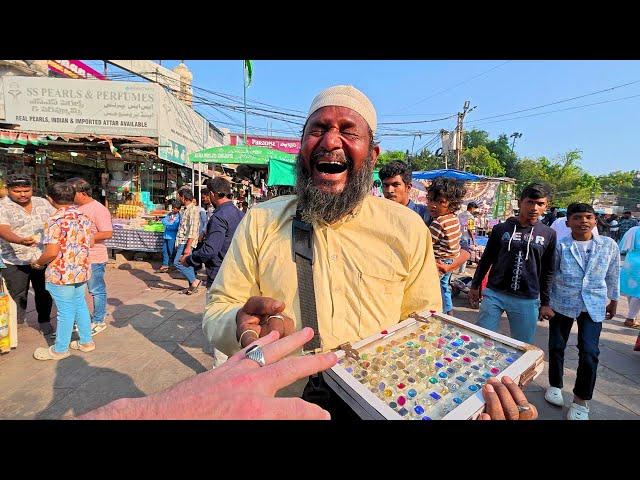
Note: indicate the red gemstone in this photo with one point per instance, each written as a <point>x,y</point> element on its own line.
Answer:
<point>401,386</point>
<point>495,370</point>
<point>448,359</point>
<point>384,332</point>
<point>465,338</point>
<point>401,400</point>
<point>467,359</point>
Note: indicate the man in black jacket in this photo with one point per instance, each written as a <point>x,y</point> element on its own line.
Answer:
<point>220,229</point>
<point>520,253</point>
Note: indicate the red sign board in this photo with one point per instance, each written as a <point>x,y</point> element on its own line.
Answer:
<point>287,145</point>
<point>74,69</point>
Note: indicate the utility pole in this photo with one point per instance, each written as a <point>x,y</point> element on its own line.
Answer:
<point>514,135</point>
<point>459,132</point>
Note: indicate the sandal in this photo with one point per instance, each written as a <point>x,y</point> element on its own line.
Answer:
<point>83,347</point>
<point>193,289</point>
<point>631,323</point>
<point>42,353</point>
<point>162,270</point>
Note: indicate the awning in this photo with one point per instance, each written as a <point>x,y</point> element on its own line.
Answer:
<point>283,173</point>
<point>447,173</point>
<point>240,155</point>
<point>12,137</point>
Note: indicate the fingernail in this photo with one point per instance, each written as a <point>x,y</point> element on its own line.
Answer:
<point>507,380</point>
<point>277,304</point>
<point>489,388</point>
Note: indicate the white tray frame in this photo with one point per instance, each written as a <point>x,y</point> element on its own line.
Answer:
<point>473,406</point>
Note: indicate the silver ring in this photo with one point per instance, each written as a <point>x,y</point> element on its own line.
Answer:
<point>275,316</point>
<point>523,408</point>
<point>256,354</point>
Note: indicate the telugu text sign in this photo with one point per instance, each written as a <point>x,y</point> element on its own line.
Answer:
<point>81,106</point>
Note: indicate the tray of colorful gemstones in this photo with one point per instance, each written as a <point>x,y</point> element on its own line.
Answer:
<point>429,367</point>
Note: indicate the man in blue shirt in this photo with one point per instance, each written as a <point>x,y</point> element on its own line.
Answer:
<point>220,229</point>
<point>396,185</point>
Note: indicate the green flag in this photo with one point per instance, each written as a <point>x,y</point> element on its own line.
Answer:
<point>249,68</point>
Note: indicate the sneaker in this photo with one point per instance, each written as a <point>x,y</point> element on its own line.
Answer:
<point>97,328</point>
<point>578,412</point>
<point>553,395</point>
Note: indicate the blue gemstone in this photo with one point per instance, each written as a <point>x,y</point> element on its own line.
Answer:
<point>419,410</point>
<point>381,386</point>
<point>473,388</point>
<point>451,370</point>
<point>439,365</point>
<point>412,393</point>
<point>442,375</point>
<point>502,350</point>
<point>475,367</point>
<point>460,351</point>
<point>350,370</point>
<point>422,351</point>
<point>435,396</point>
<point>486,375</point>
<point>455,355</point>
<point>461,379</point>
<point>509,359</point>
<point>403,411</point>
<point>393,404</point>
<point>457,400</point>
<point>426,418</point>
<point>474,354</point>
<point>488,359</point>
<point>472,345</point>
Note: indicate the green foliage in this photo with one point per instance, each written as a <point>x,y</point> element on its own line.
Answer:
<point>480,161</point>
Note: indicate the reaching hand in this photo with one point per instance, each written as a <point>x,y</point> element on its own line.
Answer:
<point>546,313</point>
<point>474,296</point>
<point>262,315</point>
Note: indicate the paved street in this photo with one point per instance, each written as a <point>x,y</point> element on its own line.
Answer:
<point>155,339</point>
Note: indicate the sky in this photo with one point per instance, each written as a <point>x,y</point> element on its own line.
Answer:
<point>419,90</point>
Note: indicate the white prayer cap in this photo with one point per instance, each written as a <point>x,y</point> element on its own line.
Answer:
<point>349,97</point>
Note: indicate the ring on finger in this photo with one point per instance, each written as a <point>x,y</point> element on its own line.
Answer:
<point>523,408</point>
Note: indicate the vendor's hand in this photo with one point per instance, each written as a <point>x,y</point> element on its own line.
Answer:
<point>28,241</point>
<point>612,308</point>
<point>474,296</point>
<point>183,260</point>
<point>254,315</point>
<point>546,313</point>
<point>443,267</point>
<point>502,401</point>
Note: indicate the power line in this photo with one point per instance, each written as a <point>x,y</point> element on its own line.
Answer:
<point>456,85</point>
<point>558,101</point>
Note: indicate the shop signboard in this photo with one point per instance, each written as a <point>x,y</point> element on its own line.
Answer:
<point>181,129</point>
<point>74,69</point>
<point>286,145</point>
<point>81,106</point>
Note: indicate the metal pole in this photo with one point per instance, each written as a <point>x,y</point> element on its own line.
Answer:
<point>244,85</point>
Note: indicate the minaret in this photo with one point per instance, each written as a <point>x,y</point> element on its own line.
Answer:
<point>185,93</point>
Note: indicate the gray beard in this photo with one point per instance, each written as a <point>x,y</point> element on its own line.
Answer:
<point>317,206</point>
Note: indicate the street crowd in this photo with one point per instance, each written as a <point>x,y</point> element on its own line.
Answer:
<point>374,261</point>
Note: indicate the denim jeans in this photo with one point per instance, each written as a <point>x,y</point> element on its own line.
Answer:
<point>521,312</point>
<point>445,288</point>
<point>168,251</point>
<point>98,291</point>
<point>72,308</point>
<point>188,272</point>
<point>588,352</point>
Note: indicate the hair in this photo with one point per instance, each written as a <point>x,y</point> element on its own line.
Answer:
<point>397,167</point>
<point>62,193</point>
<point>176,204</point>
<point>449,189</point>
<point>535,191</point>
<point>579,208</point>
<point>15,179</point>
<point>627,212</point>
<point>186,193</point>
<point>204,191</point>
<point>561,214</point>
<point>81,185</point>
<point>472,205</point>
<point>219,185</point>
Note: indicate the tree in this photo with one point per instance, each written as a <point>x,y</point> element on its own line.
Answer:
<point>389,156</point>
<point>626,185</point>
<point>478,160</point>
<point>499,149</point>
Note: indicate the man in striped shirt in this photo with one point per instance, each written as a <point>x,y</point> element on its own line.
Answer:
<point>187,238</point>
<point>445,196</point>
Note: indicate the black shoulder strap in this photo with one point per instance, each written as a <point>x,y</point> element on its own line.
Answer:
<point>302,243</point>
